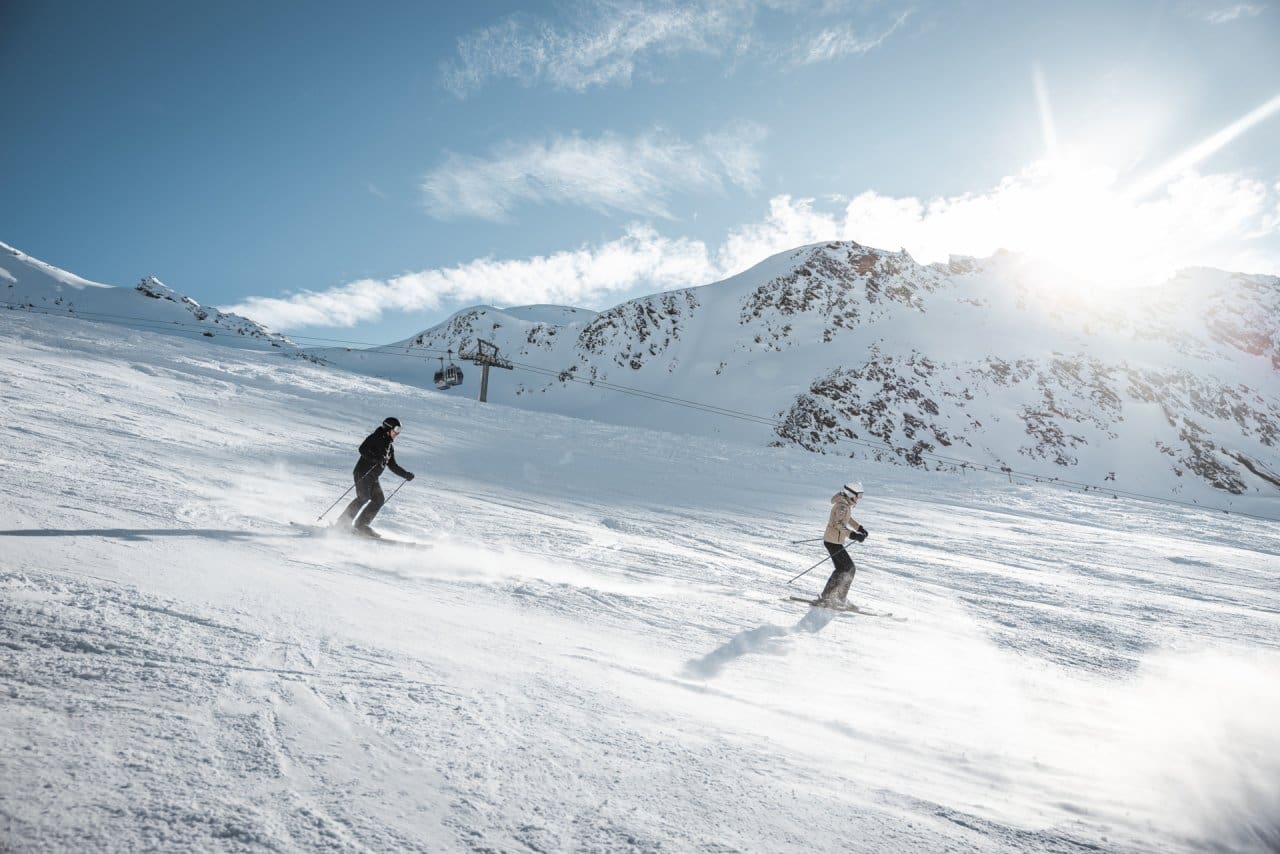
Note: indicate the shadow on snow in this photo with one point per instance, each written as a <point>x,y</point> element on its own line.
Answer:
<point>763,639</point>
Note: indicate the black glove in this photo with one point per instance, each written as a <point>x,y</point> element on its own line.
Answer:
<point>860,534</point>
<point>408,475</point>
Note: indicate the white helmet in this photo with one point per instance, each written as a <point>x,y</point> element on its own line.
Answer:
<point>853,487</point>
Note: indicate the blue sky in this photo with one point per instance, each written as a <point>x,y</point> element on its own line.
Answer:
<point>360,174</point>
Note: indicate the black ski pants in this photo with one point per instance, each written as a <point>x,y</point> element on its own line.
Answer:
<point>368,492</point>
<point>838,584</point>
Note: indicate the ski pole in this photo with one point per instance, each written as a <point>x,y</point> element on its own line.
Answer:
<point>798,542</point>
<point>344,495</point>
<point>335,504</point>
<point>393,493</point>
<point>812,568</point>
<point>818,564</point>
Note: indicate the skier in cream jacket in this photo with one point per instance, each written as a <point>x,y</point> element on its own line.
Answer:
<point>842,528</point>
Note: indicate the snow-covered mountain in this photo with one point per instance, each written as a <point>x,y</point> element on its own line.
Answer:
<point>31,284</point>
<point>850,350</point>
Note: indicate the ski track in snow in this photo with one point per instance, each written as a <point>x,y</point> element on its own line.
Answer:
<point>593,654</point>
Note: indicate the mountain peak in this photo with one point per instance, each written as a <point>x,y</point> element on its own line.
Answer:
<point>31,284</point>
<point>848,349</point>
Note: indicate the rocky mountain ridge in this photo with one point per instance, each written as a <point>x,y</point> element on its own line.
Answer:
<point>857,351</point>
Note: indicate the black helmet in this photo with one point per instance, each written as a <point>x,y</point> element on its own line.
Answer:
<point>391,423</point>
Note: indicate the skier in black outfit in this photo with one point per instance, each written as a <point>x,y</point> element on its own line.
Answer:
<point>376,454</point>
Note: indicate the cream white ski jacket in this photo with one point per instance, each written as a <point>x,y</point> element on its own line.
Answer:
<point>841,522</point>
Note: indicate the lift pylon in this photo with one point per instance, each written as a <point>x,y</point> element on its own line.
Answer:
<point>486,355</point>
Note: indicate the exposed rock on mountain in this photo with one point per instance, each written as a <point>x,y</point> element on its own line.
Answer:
<point>992,362</point>
<point>848,350</point>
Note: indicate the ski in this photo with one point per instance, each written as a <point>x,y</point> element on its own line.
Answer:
<point>408,544</point>
<point>350,534</point>
<point>846,609</point>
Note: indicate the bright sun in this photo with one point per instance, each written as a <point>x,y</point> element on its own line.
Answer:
<point>1073,219</point>
<point>1093,229</point>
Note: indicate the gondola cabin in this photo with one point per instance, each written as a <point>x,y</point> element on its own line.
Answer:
<point>449,375</point>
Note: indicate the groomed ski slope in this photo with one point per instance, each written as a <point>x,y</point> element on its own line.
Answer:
<point>594,654</point>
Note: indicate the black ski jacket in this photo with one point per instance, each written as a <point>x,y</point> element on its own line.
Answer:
<point>376,454</point>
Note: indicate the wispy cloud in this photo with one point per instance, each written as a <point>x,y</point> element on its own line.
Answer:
<point>1222,14</point>
<point>837,42</point>
<point>582,277</point>
<point>602,46</point>
<point>608,173</point>
<point>609,42</point>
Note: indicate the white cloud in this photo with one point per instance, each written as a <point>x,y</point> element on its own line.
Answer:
<point>636,176</point>
<point>1080,217</point>
<point>837,42</point>
<point>737,150</point>
<point>608,42</point>
<point>603,46</point>
<point>584,276</point>
<point>1219,13</point>
<point>790,223</point>
<point>1075,217</point>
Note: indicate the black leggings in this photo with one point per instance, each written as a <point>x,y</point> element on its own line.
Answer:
<point>368,491</point>
<point>838,584</point>
<point>840,557</point>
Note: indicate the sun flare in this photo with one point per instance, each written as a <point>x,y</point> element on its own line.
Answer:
<point>1095,228</point>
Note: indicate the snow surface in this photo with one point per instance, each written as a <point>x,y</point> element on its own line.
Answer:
<point>19,259</point>
<point>558,314</point>
<point>593,654</point>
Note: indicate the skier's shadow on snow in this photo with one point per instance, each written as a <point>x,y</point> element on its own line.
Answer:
<point>765,639</point>
<point>145,534</point>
